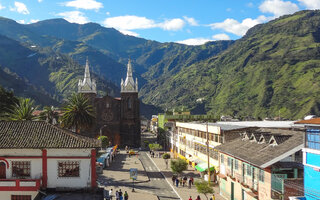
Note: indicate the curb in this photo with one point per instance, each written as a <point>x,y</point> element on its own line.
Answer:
<point>164,176</point>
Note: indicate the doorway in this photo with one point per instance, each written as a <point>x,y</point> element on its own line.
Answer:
<point>2,170</point>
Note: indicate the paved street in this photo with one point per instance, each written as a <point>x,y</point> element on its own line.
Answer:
<point>161,187</point>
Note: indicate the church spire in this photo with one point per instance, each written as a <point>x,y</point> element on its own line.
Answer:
<point>87,85</point>
<point>129,85</point>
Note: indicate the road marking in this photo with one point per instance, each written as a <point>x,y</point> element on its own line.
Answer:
<point>164,177</point>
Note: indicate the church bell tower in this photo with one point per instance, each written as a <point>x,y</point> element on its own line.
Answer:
<point>130,110</point>
<point>87,86</point>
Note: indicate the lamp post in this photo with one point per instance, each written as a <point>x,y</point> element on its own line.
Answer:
<point>208,154</point>
<point>101,134</point>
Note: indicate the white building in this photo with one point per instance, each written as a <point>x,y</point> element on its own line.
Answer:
<point>37,156</point>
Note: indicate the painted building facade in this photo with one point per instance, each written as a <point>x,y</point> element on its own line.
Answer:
<point>189,140</point>
<point>38,156</point>
<point>311,158</point>
<point>262,164</point>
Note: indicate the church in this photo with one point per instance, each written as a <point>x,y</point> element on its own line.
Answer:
<point>117,118</point>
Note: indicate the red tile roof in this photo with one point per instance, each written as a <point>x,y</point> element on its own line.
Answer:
<point>309,121</point>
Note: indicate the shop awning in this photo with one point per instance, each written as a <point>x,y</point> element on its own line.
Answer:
<point>203,167</point>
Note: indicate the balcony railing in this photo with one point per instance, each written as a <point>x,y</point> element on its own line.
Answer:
<point>20,184</point>
<point>277,182</point>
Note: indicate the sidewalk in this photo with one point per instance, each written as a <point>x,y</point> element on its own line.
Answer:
<point>184,192</point>
<point>117,177</point>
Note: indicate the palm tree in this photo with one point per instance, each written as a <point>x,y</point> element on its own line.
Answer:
<point>49,114</point>
<point>23,110</point>
<point>78,113</point>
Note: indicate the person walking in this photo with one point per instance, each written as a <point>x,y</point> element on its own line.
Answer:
<point>180,180</point>
<point>191,180</point>
<point>120,193</point>
<point>189,183</point>
<point>177,182</point>
<point>173,179</point>
<point>117,195</point>
<point>198,198</point>
<point>110,194</point>
<point>184,180</point>
<point>126,196</point>
<point>190,198</point>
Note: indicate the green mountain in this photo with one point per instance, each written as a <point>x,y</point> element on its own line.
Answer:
<point>274,69</point>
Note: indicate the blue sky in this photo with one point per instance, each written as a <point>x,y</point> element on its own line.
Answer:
<point>186,21</point>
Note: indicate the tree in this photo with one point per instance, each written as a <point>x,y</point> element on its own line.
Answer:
<point>204,188</point>
<point>49,114</point>
<point>104,140</point>
<point>78,113</point>
<point>178,166</point>
<point>8,100</point>
<point>166,156</point>
<point>23,110</point>
<point>155,147</point>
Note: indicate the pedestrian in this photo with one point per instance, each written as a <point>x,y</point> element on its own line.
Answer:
<point>120,193</point>
<point>184,180</point>
<point>198,198</point>
<point>173,179</point>
<point>126,196</point>
<point>180,180</point>
<point>190,198</point>
<point>117,195</point>
<point>110,193</point>
<point>190,182</point>
<point>177,182</point>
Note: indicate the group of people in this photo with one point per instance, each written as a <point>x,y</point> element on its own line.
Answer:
<point>182,180</point>
<point>119,195</point>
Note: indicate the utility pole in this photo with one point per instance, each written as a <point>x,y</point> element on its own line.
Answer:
<point>208,154</point>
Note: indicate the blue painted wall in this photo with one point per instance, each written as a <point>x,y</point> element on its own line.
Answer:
<point>312,179</point>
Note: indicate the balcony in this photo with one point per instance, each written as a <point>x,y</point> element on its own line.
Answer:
<point>19,184</point>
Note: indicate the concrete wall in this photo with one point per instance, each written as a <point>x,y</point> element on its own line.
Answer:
<point>264,188</point>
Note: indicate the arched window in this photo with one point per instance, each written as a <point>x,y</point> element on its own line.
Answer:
<point>129,103</point>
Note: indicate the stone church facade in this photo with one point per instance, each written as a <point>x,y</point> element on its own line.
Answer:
<point>117,118</point>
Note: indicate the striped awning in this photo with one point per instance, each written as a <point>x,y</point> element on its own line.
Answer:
<point>203,167</point>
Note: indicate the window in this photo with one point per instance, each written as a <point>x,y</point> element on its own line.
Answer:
<point>21,168</point>
<point>248,170</point>
<point>261,175</point>
<point>69,169</point>
<point>313,138</point>
<point>222,158</point>
<point>236,166</point>
<point>20,197</point>
<point>129,103</point>
<point>229,162</point>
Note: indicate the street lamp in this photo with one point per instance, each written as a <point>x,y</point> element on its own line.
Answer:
<point>208,154</point>
<point>101,134</point>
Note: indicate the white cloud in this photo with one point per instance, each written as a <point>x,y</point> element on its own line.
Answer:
<point>237,28</point>
<point>39,1</point>
<point>84,4</point>
<point>172,24</point>
<point>34,20</point>
<point>20,8</point>
<point>21,21</point>
<point>191,21</point>
<point>2,7</point>
<point>129,22</point>
<point>194,41</point>
<point>126,32</point>
<point>310,4</point>
<point>278,7</point>
<point>221,36</point>
<point>107,13</point>
<point>132,22</point>
<point>74,17</point>
<point>250,5</point>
